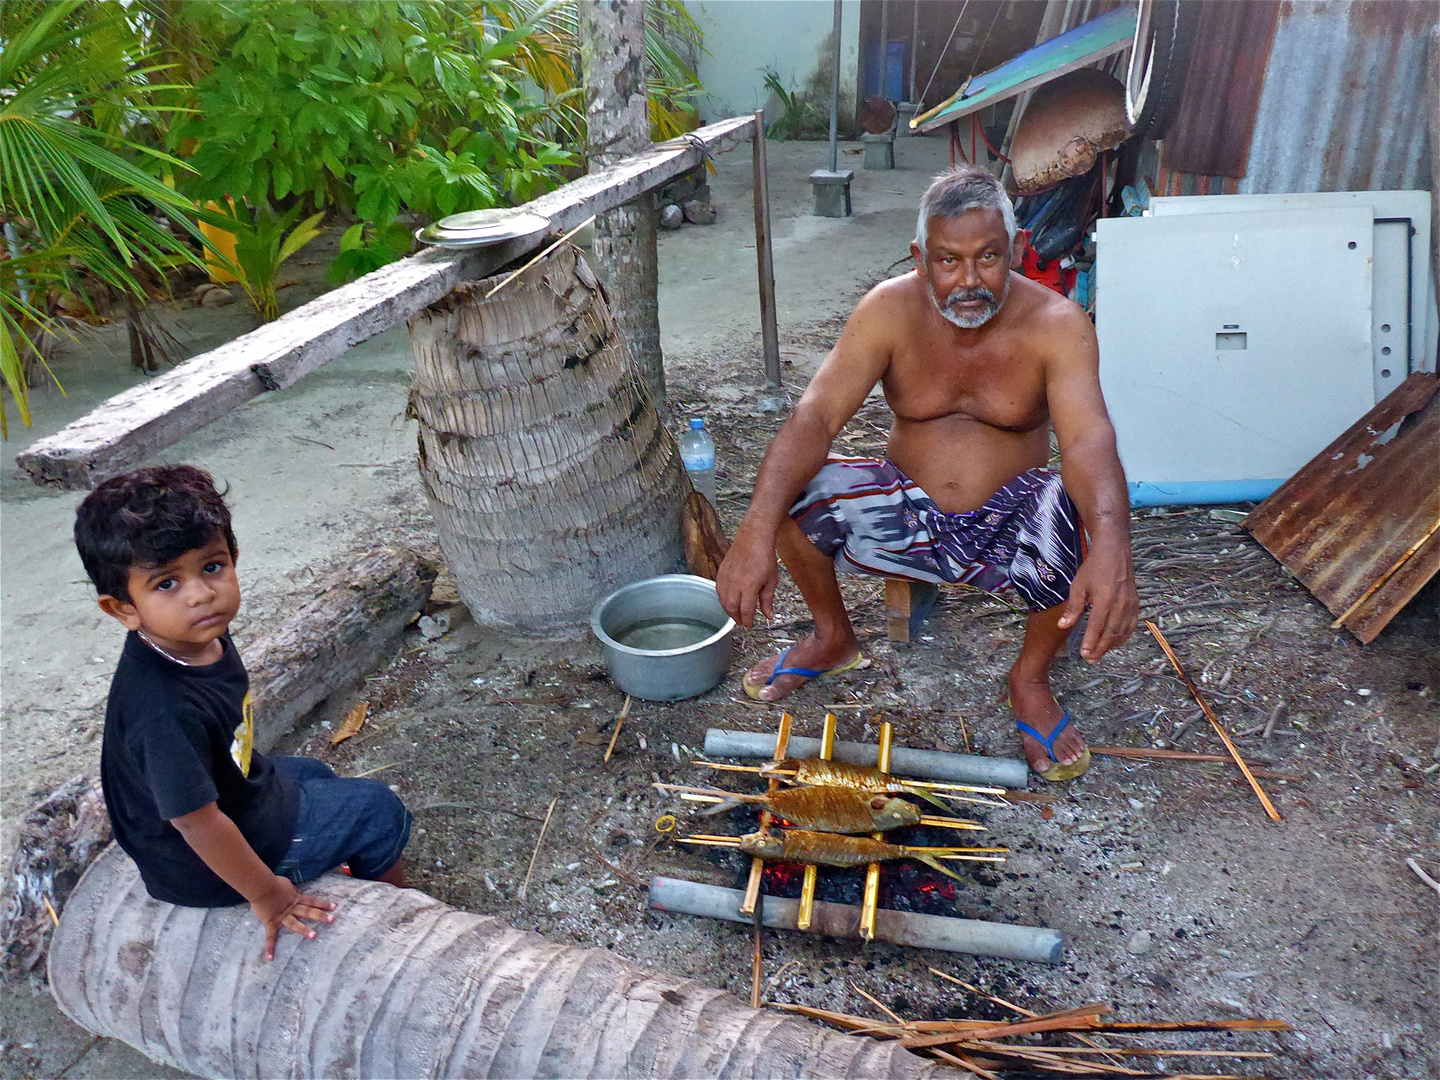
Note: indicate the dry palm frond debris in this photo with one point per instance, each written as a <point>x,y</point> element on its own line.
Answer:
<point>989,1048</point>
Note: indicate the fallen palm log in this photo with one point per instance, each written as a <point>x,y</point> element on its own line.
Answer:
<point>334,639</point>
<point>403,985</point>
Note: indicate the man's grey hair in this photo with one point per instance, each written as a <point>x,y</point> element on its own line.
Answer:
<point>960,190</point>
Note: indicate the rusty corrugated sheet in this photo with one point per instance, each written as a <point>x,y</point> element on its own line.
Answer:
<point>1343,104</point>
<point>1358,524</point>
<point>1211,131</point>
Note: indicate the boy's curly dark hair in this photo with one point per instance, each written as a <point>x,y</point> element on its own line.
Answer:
<point>147,518</point>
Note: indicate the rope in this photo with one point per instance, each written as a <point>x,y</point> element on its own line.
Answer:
<point>946,48</point>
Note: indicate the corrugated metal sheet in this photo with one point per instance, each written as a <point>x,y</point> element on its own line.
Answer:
<point>1223,82</point>
<point>1358,524</point>
<point>1343,106</point>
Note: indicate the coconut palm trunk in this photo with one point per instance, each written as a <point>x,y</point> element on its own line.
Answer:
<point>550,475</point>
<point>617,114</point>
<point>401,985</point>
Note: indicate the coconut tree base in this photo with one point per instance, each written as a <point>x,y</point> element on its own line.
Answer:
<point>401,985</point>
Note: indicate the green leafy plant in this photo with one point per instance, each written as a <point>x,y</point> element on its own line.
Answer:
<point>797,111</point>
<point>364,248</point>
<point>82,195</point>
<point>263,244</point>
<point>379,107</point>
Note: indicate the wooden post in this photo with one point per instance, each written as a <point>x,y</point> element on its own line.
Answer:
<point>871,902</point>
<point>807,887</point>
<point>897,609</point>
<point>765,257</point>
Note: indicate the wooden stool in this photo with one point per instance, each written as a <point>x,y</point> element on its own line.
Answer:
<point>907,605</point>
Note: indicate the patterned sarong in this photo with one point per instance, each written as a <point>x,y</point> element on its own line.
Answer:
<point>872,519</point>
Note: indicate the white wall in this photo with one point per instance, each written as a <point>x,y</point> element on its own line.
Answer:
<point>744,37</point>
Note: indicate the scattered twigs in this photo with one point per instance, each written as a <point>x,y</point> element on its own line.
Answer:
<point>525,888</point>
<point>977,1046</point>
<point>1415,866</point>
<point>1164,755</point>
<point>619,721</point>
<point>1276,715</point>
<point>1214,721</point>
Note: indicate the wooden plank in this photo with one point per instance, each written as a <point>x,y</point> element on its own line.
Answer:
<point>132,426</point>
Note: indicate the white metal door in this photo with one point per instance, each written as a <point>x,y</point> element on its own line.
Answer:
<point>1233,347</point>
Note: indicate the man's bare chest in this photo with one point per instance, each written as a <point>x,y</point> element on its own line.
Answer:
<point>994,386</point>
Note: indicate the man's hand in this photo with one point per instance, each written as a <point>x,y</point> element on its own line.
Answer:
<point>283,905</point>
<point>1105,583</point>
<point>748,577</point>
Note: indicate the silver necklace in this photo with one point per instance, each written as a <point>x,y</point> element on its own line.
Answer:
<point>168,656</point>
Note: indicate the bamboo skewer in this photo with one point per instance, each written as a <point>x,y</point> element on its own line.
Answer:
<point>806,914</point>
<point>757,865</point>
<point>525,888</point>
<point>871,901</point>
<point>928,785</point>
<point>968,854</point>
<point>1214,721</point>
<point>754,904</point>
<point>700,795</point>
<point>619,720</point>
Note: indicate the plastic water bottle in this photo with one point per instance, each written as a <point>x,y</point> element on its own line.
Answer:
<point>697,450</point>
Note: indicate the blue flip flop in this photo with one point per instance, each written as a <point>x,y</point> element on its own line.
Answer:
<point>1057,772</point>
<point>753,691</point>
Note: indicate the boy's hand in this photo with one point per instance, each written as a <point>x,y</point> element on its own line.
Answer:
<point>284,905</point>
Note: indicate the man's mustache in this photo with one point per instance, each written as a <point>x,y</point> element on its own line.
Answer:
<point>960,296</point>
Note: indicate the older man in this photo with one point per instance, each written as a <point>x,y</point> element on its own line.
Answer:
<point>977,363</point>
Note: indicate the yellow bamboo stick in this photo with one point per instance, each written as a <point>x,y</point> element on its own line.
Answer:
<point>807,886</point>
<point>871,901</point>
<point>757,865</point>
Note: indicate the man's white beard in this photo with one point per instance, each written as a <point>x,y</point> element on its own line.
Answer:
<point>970,320</point>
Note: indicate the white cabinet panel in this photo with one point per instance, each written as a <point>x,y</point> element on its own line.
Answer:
<point>1233,347</point>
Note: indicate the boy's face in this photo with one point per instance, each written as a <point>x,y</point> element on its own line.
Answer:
<point>185,605</point>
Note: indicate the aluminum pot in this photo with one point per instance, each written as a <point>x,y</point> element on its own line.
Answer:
<point>650,609</point>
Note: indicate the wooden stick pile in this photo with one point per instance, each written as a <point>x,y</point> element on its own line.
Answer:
<point>987,1048</point>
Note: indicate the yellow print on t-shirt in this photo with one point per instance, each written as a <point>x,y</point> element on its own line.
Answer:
<point>244,738</point>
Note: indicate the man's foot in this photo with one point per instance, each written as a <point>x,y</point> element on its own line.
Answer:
<point>809,655</point>
<point>1035,705</point>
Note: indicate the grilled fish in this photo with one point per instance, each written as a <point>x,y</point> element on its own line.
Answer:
<point>829,849</point>
<point>830,809</point>
<point>816,772</point>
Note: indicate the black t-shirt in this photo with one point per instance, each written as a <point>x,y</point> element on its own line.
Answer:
<point>176,739</point>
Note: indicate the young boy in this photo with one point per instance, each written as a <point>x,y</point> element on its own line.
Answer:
<point>207,819</point>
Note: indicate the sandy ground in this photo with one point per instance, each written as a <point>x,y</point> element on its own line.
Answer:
<point>1178,899</point>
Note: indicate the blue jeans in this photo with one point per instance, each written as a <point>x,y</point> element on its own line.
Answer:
<point>356,821</point>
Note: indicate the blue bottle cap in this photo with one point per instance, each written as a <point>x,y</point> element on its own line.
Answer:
<point>696,423</point>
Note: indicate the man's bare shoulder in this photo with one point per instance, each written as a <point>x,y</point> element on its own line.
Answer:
<point>1047,317</point>
<point>894,293</point>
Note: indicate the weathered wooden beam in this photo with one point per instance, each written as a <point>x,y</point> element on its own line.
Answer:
<point>132,426</point>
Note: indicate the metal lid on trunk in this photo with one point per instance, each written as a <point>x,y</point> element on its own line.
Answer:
<point>480,228</point>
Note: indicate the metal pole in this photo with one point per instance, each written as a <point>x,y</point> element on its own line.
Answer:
<point>764,257</point>
<point>914,44</point>
<point>835,97</point>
